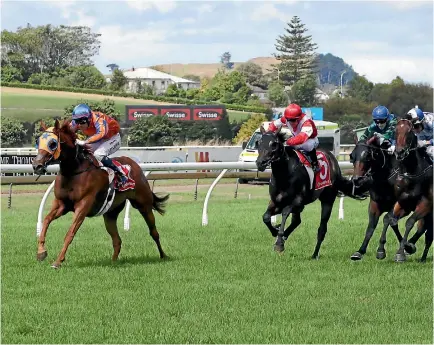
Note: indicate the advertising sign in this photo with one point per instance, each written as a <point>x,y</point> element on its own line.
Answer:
<point>207,113</point>
<point>178,113</point>
<point>136,112</point>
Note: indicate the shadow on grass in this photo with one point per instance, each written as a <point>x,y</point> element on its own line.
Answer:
<point>126,261</point>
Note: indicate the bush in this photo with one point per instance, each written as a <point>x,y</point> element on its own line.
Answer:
<point>106,106</point>
<point>248,127</point>
<point>152,131</point>
<point>12,132</point>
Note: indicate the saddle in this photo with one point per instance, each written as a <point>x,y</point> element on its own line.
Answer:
<point>113,176</point>
<point>322,178</point>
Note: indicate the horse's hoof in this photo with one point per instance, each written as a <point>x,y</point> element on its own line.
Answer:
<point>41,256</point>
<point>55,265</point>
<point>315,257</point>
<point>356,256</point>
<point>381,255</point>
<point>410,248</point>
<point>400,257</point>
<point>422,260</point>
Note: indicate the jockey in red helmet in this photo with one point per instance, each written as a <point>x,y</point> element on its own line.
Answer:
<point>303,129</point>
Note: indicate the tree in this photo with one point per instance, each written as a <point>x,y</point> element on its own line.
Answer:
<point>252,72</point>
<point>296,53</point>
<point>12,132</point>
<point>10,74</point>
<point>118,80</point>
<point>45,48</point>
<point>360,88</point>
<point>303,92</point>
<point>152,131</point>
<point>249,127</point>
<point>277,95</point>
<point>225,59</point>
<point>87,77</point>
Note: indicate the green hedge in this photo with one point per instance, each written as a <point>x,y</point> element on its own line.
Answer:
<point>175,100</point>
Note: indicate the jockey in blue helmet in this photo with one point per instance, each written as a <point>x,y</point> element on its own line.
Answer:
<point>383,126</point>
<point>423,128</point>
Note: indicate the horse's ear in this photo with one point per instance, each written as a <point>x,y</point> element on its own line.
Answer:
<point>262,129</point>
<point>43,126</point>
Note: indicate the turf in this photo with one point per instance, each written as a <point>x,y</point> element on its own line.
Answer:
<point>30,107</point>
<point>221,284</point>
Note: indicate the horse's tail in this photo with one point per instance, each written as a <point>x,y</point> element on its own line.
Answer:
<point>158,203</point>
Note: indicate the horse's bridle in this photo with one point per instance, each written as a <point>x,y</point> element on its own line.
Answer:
<point>406,150</point>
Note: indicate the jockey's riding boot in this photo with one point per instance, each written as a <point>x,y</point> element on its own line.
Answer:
<point>314,160</point>
<point>107,162</point>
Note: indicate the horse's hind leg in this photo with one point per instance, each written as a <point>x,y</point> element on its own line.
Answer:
<point>428,236</point>
<point>326,211</point>
<point>149,217</point>
<point>110,220</point>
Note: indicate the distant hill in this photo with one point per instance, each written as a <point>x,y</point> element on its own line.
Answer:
<point>330,68</point>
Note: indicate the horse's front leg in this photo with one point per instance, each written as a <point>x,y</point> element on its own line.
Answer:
<point>422,209</point>
<point>56,211</point>
<point>279,245</point>
<point>381,250</point>
<point>374,213</point>
<point>271,211</point>
<point>82,208</point>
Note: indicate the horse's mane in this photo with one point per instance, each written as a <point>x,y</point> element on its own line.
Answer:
<point>65,128</point>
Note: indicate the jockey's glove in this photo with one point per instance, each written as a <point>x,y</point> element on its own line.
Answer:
<point>80,142</point>
<point>391,150</point>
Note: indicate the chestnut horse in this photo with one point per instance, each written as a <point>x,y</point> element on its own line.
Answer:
<point>413,188</point>
<point>84,188</point>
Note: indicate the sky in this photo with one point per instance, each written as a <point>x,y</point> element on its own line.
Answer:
<point>380,39</point>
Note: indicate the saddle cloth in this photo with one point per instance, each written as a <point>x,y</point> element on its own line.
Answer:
<point>130,184</point>
<point>322,178</point>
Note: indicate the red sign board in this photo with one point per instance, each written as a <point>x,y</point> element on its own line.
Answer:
<point>136,113</point>
<point>205,113</point>
<point>178,114</point>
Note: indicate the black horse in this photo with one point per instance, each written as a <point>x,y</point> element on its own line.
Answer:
<point>374,170</point>
<point>413,189</point>
<point>290,187</point>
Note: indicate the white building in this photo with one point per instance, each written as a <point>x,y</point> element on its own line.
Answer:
<point>156,79</point>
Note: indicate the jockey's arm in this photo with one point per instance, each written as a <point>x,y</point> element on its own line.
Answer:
<point>389,134</point>
<point>305,132</point>
<point>369,132</point>
<point>101,127</point>
<point>276,124</point>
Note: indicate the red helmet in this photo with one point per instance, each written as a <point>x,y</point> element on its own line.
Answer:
<point>293,111</point>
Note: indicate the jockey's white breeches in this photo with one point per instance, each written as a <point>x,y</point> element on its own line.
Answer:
<point>106,147</point>
<point>309,145</point>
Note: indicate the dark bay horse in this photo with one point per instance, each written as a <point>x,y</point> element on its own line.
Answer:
<point>374,169</point>
<point>413,189</point>
<point>83,187</point>
<point>290,187</point>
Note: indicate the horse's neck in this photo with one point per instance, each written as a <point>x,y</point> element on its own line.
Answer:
<point>283,168</point>
<point>413,163</point>
<point>72,161</point>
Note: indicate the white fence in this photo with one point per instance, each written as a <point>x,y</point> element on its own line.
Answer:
<point>147,168</point>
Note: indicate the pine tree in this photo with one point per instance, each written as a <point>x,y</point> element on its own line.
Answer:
<point>296,53</point>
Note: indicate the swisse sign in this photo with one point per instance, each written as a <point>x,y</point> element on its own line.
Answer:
<point>172,113</point>
<point>136,113</point>
<point>205,113</point>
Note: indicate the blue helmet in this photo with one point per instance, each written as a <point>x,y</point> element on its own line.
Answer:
<point>81,111</point>
<point>380,113</point>
<point>416,114</point>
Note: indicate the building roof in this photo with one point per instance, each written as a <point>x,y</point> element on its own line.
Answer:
<point>149,73</point>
